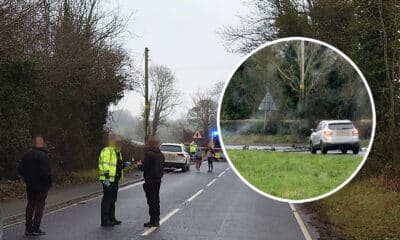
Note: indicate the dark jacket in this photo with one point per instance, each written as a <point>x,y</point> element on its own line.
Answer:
<point>35,168</point>
<point>153,165</point>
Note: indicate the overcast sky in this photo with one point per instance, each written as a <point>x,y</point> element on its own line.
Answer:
<point>183,36</point>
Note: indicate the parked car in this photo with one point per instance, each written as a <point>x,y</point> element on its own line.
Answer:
<point>176,156</point>
<point>335,135</point>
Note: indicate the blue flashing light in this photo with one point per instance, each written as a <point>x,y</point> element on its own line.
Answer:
<point>214,133</point>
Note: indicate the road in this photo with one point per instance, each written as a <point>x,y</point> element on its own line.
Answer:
<point>193,206</point>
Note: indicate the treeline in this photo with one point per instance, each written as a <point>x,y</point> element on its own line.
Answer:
<point>367,31</point>
<point>61,65</point>
<point>332,88</point>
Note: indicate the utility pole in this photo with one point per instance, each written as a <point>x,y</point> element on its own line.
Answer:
<point>302,93</point>
<point>146,94</point>
<point>302,69</point>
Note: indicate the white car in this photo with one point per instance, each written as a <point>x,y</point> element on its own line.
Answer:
<point>335,135</point>
<point>176,156</point>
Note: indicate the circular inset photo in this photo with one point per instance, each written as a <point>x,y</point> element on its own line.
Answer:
<point>296,120</point>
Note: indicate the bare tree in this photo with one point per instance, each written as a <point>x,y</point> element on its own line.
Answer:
<point>164,96</point>
<point>203,114</point>
<point>308,65</point>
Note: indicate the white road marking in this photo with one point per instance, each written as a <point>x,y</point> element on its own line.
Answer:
<point>227,168</point>
<point>302,226</point>
<point>220,175</point>
<point>75,204</point>
<point>211,183</point>
<point>169,215</point>
<point>195,195</point>
<point>131,186</point>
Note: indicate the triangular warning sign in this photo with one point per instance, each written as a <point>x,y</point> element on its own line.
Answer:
<point>267,103</point>
<point>197,135</point>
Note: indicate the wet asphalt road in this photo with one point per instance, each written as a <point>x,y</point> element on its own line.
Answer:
<point>193,206</point>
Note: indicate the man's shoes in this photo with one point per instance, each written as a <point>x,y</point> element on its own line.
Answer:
<point>151,224</point>
<point>116,222</point>
<point>39,232</point>
<point>30,232</point>
<point>107,224</point>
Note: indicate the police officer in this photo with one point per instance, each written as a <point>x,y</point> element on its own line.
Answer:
<point>111,167</point>
<point>193,148</point>
<point>35,168</point>
<point>153,170</point>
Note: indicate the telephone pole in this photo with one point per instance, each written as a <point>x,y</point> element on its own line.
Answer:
<point>146,94</point>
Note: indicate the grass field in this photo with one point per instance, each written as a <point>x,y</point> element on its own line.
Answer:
<point>293,175</point>
<point>364,209</point>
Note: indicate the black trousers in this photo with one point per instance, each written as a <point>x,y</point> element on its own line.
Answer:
<point>34,208</point>
<point>108,202</point>
<point>210,163</point>
<point>152,191</point>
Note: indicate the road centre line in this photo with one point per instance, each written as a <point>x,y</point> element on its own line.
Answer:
<point>220,175</point>
<point>164,219</point>
<point>300,222</point>
<point>211,183</point>
<point>195,195</point>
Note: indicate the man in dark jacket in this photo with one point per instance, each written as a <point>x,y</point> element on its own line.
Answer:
<point>35,168</point>
<point>153,170</point>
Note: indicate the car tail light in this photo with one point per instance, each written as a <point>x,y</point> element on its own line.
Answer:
<point>328,133</point>
<point>355,132</point>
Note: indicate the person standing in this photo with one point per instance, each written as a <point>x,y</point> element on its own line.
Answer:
<point>35,168</point>
<point>210,158</point>
<point>198,159</point>
<point>192,148</point>
<point>111,167</point>
<point>153,170</point>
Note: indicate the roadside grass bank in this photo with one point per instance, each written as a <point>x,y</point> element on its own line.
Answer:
<point>10,189</point>
<point>293,175</point>
<point>364,209</point>
<point>263,139</point>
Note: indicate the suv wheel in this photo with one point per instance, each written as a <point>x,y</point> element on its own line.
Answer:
<point>184,167</point>
<point>344,151</point>
<point>356,150</point>
<point>323,149</point>
<point>312,149</point>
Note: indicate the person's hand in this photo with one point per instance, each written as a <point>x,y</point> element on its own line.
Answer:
<point>139,162</point>
<point>107,182</point>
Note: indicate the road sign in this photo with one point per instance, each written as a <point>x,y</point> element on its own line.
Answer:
<point>197,135</point>
<point>267,104</point>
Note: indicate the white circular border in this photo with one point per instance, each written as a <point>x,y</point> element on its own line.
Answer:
<point>373,119</point>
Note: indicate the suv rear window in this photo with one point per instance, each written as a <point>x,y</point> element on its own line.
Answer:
<point>340,126</point>
<point>170,148</point>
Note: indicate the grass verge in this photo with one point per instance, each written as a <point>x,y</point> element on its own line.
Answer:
<point>293,175</point>
<point>16,189</point>
<point>364,209</point>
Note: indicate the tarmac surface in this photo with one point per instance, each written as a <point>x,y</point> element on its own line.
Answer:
<point>194,205</point>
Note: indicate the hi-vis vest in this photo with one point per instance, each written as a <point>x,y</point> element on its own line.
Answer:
<point>192,148</point>
<point>108,163</point>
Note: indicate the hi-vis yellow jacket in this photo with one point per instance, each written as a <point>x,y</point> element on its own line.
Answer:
<point>108,163</point>
<point>193,148</point>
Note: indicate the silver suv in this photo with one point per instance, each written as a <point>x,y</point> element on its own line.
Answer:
<point>335,135</point>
